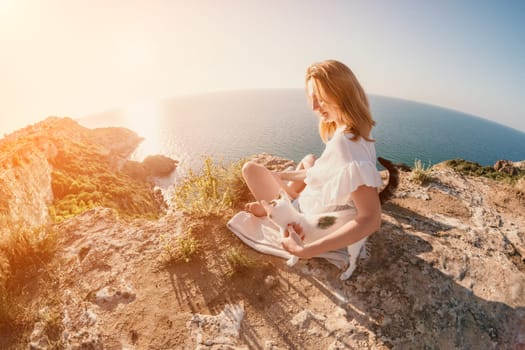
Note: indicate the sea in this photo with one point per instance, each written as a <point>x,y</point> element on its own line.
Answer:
<point>230,126</point>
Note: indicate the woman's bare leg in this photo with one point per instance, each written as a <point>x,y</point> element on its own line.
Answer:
<point>306,163</point>
<point>265,185</point>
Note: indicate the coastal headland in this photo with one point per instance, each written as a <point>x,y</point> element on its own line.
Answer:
<point>92,256</point>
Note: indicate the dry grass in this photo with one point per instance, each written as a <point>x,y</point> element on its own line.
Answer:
<point>421,174</point>
<point>25,255</point>
<point>180,249</point>
<point>187,247</point>
<point>24,250</point>
<point>238,261</point>
<point>215,190</point>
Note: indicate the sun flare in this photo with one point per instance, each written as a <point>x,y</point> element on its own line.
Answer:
<point>10,14</point>
<point>143,118</point>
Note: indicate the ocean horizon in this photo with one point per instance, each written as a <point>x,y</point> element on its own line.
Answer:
<point>238,124</point>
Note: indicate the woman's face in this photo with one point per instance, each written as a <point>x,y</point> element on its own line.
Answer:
<point>326,109</point>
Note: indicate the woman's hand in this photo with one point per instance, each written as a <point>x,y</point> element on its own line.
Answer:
<point>293,241</point>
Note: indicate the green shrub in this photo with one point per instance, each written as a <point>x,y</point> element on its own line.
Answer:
<point>476,169</point>
<point>83,179</point>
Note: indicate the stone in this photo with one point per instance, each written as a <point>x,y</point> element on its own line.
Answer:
<point>38,339</point>
<point>159,165</point>
<point>271,281</point>
<point>222,329</point>
<point>505,166</point>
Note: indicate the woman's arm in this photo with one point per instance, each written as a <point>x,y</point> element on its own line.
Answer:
<point>295,176</point>
<point>292,175</point>
<point>367,221</point>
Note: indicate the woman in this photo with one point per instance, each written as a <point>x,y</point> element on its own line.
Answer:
<point>345,176</point>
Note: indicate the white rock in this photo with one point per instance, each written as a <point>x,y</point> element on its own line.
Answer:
<point>38,339</point>
<point>88,318</point>
<point>222,329</point>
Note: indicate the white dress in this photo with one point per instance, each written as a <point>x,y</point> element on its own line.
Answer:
<point>343,166</point>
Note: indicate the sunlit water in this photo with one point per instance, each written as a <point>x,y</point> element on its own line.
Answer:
<point>234,125</point>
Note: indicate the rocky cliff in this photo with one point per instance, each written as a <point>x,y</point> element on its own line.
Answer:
<point>445,271</point>
<point>57,168</point>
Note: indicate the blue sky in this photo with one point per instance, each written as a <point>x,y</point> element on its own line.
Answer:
<point>75,58</point>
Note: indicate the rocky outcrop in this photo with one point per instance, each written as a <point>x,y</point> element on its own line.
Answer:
<point>446,271</point>
<point>159,165</point>
<point>117,142</point>
<point>151,167</point>
<point>217,331</point>
<point>507,166</point>
<point>37,161</point>
<point>26,190</point>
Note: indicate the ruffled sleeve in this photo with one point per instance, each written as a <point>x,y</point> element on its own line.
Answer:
<point>347,179</point>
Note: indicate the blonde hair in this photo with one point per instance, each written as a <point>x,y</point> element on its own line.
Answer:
<point>339,84</point>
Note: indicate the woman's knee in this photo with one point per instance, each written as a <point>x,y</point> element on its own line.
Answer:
<point>308,161</point>
<point>249,168</point>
